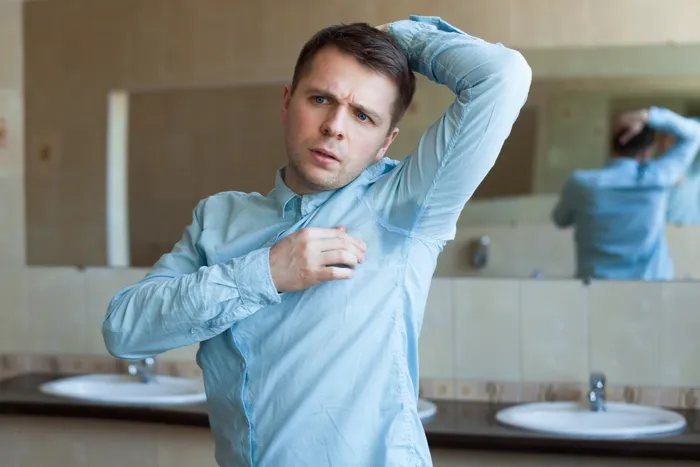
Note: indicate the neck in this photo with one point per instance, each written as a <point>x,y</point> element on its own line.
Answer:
<point>294,183</point>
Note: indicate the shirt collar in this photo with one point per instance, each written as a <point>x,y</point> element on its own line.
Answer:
<point>283,195</point>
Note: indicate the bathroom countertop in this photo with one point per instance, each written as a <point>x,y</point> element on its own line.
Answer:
<point>458,424</point>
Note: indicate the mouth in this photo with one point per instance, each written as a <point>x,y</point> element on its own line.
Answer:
<point>324,155</point>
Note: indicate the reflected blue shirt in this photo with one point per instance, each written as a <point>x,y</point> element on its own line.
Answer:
<point>328,376</point>
<point>684,199</point>
<point>619,211</point>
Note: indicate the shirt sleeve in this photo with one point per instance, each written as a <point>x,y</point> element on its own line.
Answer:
<point>563,214</point>
<point>182,301</point>
<point>671,167</point>
<point>426,192</point>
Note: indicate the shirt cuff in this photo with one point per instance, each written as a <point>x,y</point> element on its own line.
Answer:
<point>656,116</point>
<point>254,280</point>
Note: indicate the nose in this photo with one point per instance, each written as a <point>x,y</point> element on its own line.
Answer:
<point>333,126</point>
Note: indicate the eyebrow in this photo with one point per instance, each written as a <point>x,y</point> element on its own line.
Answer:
<point>370,113</point>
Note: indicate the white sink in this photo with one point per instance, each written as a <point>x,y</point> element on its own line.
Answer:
<point>127,390</point>
<point>426,409</point>
<point>119,389</point>
<point>574,419</point>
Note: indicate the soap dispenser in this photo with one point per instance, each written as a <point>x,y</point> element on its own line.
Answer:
<point>478,251</point>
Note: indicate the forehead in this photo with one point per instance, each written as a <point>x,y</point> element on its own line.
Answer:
<point>349,80</point>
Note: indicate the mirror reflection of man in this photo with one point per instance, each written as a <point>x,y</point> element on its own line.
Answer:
<point>618,212</point>
<point>684,199</point>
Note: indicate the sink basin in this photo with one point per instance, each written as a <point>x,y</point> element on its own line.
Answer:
<point>574,419</point>
<point>119,389</point>
<point>127,390</point>
<point>426,409</point>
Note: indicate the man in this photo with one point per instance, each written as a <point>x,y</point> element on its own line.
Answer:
<point>619,211</point>
<point>684,199</point>
<point>308,302</point>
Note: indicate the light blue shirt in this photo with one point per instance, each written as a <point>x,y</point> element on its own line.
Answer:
<point>328,376</point>
<point>684,199</point>
<point>619,211</point>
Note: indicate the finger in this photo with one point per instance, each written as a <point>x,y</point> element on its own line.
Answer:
<point>320,233</point>
<point>332,273</point>
<point>627,135</point>
<point>323,232</point>
<point>336,257</point>
<point>346,243</point>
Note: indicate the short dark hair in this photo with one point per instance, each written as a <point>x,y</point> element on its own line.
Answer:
<point>371,47</point>
<point>640,142</point>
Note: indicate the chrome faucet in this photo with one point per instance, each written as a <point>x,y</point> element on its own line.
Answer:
<point>596,394</point>
<point>143,370</point>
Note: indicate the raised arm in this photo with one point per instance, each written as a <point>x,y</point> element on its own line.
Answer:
<point>694,169</point>
<point>182,301</point>
<point>427,191</point>
<point>672,166</point>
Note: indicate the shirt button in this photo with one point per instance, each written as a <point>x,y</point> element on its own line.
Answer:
<point>192,331</point>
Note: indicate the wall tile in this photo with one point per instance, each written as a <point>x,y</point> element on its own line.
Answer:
<point>13,309</point>
<point>633,394</point>
<point>543,250</point>
<point>543,23</point>
<point>182,447</point>
<point>59,446</point>
<point>624,327</point>
<point>554,344</point>
<point>12,242</point>
<point>680,328</point>
<point>129,444</point>
<point>12,121</point>
<point>436,348</point>
<point>436,389</point>
<point>10,438</point>
<point>11,44</point>
<point>488,391</point>
<point>685,250</point>
<point>503,255</point>
<point>101,284</point>
<point>56,310</point>
<point>487,328</point>
<point>534,392</point>
<point>681,398</point>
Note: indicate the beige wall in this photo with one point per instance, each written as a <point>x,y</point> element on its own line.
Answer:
<point>527,333</point>
<point>137,44</point>
<point>58,309</point>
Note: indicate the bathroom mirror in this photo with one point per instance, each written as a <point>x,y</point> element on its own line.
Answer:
<point>117,160</point>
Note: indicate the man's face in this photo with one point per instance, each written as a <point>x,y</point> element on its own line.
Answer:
<point>337,122</point>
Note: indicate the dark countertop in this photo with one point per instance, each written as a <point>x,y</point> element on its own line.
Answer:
<point>458,424</point>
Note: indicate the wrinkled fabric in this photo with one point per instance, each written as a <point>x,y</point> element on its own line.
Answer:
<point>619,211</point>
<point>684,199</point>
<point>328,376</point>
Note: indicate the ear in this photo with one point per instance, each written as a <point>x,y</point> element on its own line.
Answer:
<point>387,142</point>
<point>286,98</point>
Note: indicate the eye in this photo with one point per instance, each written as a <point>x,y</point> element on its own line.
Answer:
<point>320,99</point>
<point>363,117</point>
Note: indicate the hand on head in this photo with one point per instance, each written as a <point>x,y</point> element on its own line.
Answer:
<point>629,124</point>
